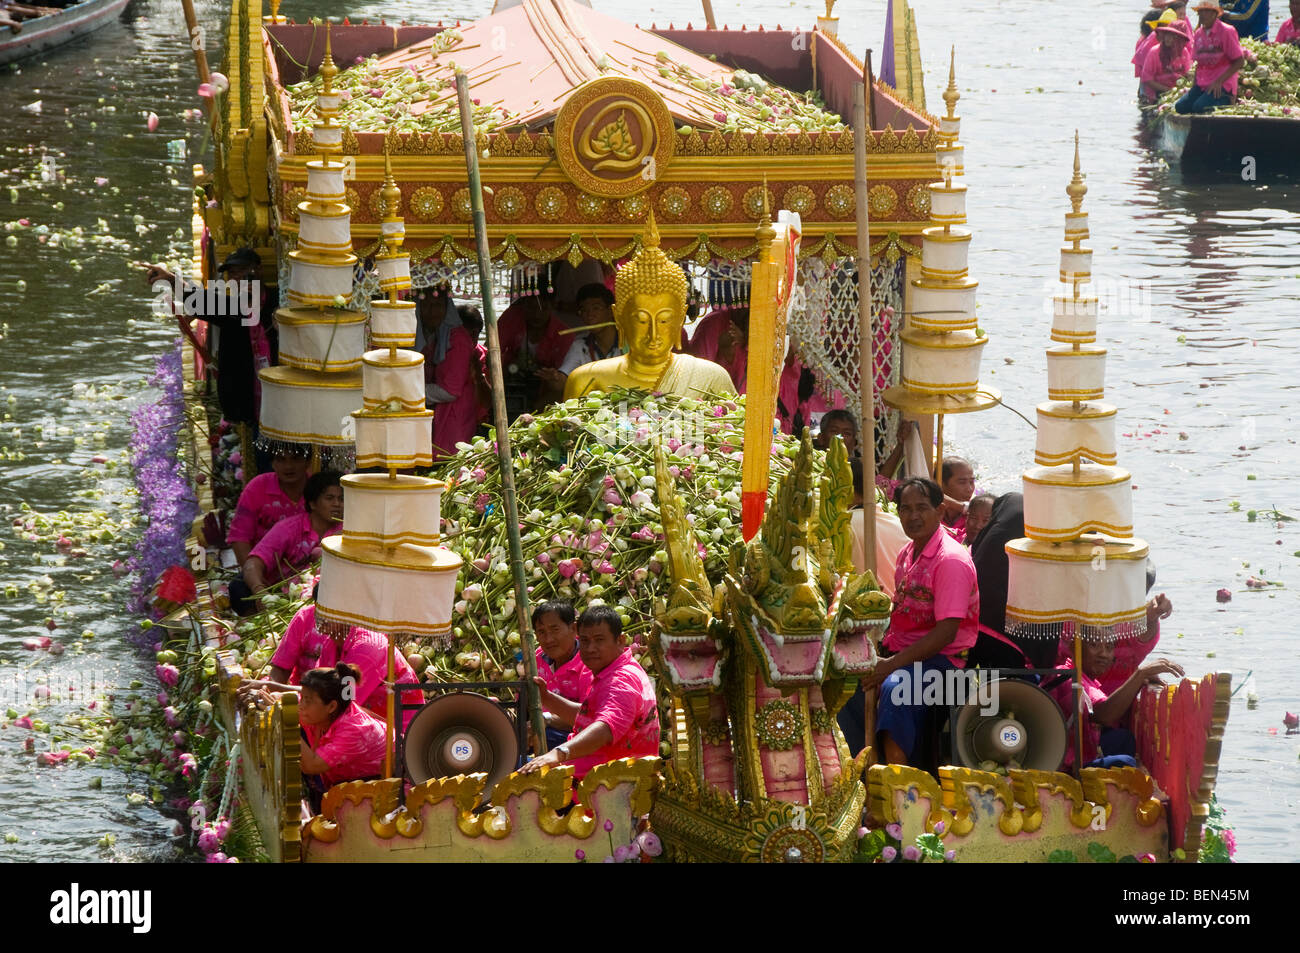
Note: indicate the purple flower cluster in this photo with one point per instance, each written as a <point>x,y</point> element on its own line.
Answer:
<point>167,500</point>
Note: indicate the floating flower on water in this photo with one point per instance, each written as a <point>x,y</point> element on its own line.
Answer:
<point>151,122</point>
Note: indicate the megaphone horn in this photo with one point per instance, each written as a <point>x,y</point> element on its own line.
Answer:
<point>1026,731</point>
<point>461,733</point>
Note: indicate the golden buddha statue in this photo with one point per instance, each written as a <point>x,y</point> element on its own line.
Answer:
<point>650,295</point>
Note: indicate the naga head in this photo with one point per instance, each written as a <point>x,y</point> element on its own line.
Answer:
<point>687,641</point>
<point>859,610</point>
<point>773,586</point>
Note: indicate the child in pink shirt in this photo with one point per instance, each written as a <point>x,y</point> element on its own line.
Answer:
<point>1165,63</point>
<point>560,669</point>
<point>344,741</point>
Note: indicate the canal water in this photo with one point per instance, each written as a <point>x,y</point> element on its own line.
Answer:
<point>1199,276</point>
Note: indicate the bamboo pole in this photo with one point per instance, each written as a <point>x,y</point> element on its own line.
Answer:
<point>499,413</point>
<point>195,36</point>
<point>708,15</point>
<point>866,370</point>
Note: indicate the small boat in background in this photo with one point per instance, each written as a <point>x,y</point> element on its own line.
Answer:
<point>1216,141</point>
<point>44,33</point>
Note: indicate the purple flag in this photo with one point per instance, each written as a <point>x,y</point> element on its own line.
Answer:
<point>887,55</point>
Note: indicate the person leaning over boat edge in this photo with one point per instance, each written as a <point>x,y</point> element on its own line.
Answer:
<point>1219,56</point>
<point>560,669</point>
<point>619,718</point>
<point>344,742</point>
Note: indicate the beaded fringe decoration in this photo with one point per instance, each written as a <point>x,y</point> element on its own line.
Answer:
<point>339,631</point>
<point>1065,630</point>
<point>281,447</point>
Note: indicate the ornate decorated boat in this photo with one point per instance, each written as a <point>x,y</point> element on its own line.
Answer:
<point>628,143</point>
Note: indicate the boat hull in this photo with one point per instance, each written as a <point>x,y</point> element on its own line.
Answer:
<point>1259,145</point>
<point>45,33</point>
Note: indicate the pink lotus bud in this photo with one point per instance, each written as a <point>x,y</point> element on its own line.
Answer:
<point>1223,595</point>
<point>219,82</point>
<point>209,841</point>
<point>1290,721</point>
<point>222,828</point>
<point>912,853</point>
<point>171,717</point>
<point>163,700</point>
<point>206,91</point>
<point>151,122</point>
<point>887,854</point>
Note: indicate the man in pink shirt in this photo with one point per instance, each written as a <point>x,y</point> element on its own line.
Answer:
<point>1218,55</point>
<point>561,673</point>
<point>619,717</point>
<point>935,619</point>
<point>267,499</point>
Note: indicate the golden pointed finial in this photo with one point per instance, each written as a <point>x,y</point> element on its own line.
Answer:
<point>390,193</point>
<point>951,95</point>
<point>651,239</point>
<point>1076,190</point>
<point>327,68</point>
<point>830,9</point>
<point>765,233</point>
<point>275,11</point>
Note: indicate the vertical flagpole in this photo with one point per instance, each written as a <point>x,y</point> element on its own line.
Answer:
<point>499,413</point>
<point>867,367</point>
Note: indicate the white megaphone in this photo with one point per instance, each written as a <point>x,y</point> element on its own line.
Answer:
<point>1026,731</point>
<point>461,733</point>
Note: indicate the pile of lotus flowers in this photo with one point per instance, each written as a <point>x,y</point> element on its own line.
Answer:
<point>1268,83</point>
<point>746,102</point>
<point>589,515</point>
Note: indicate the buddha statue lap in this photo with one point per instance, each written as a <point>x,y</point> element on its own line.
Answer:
<point>650,295</point>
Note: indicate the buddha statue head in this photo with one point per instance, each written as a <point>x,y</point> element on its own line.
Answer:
<point>650,294</point>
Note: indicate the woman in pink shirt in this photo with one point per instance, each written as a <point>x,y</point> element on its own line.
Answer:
<point>304,647</point>
<point>267,499</point>
<point>1218,55</point>
<point>451,387</point>
<point>720,337</point>
<point>1287,32</point>
<point>1165,64</point>
<point>561,673</point>
<point>344,742</point>
<point>619,717</point>
<point>292,543</point>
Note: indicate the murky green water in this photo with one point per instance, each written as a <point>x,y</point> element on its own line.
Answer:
<point>1202,344</point>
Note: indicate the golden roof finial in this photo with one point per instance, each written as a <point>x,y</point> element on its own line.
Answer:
<point>275,11</point>
<point>950,95</point>
<point>1076,190</point>
<point>327,68</point>
<point>830,9</point>
<point>651,239</point>
<point>390,193</point>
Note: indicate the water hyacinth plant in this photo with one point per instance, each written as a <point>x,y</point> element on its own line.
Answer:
<point>589,513</point>
<point>167,502</point>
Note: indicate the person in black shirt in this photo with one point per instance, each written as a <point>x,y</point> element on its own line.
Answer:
<point>238,312</point>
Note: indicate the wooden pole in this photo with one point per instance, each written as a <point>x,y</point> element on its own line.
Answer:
<point>866,336</point>
<point>390,730</point>
<point>708,15</point>
<point>195,36</point>
<point>499,412</point>
<point>866,369</point>
<point>1078,702</point>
